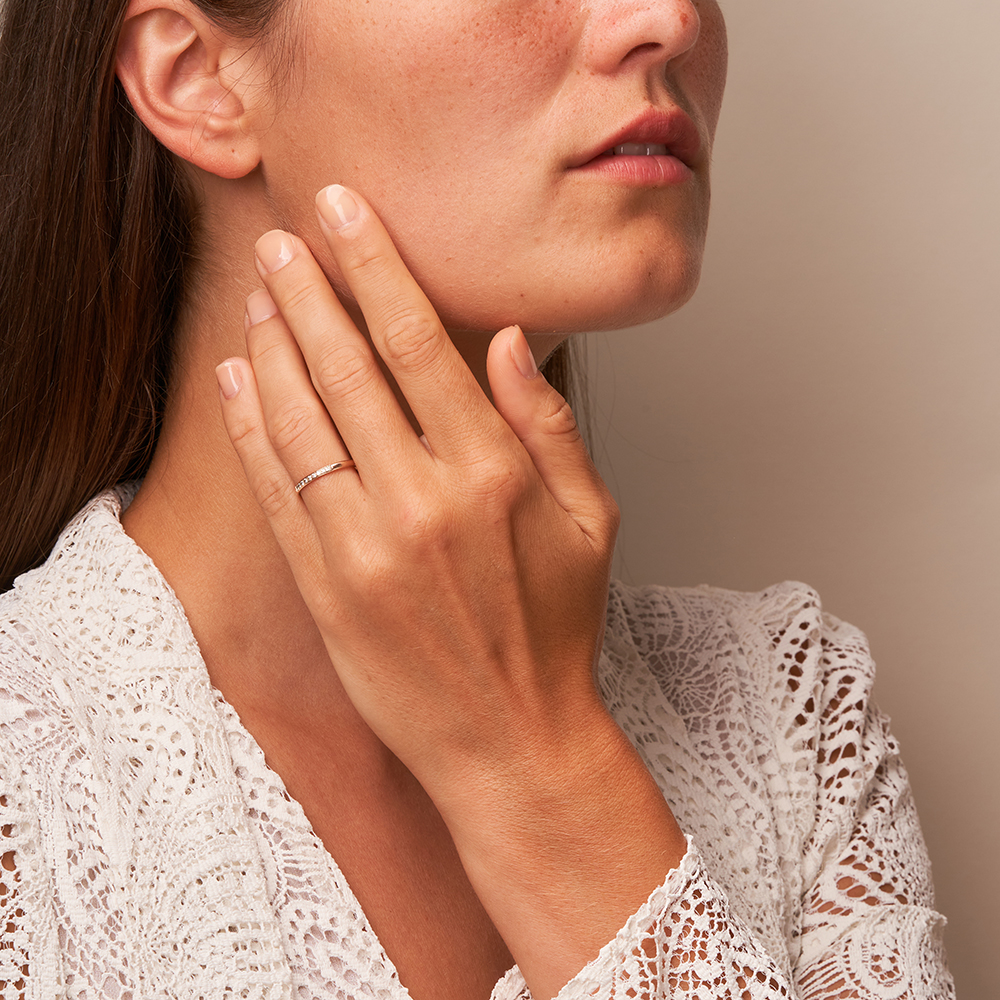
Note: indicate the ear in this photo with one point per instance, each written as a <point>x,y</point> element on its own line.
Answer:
<point>188,82</point>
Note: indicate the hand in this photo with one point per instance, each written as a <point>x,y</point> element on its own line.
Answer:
<point>459,582</point>
<point>460,586</point>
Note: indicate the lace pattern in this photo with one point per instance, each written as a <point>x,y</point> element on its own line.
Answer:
<point>157,855</point>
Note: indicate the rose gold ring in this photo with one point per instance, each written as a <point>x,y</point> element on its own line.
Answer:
<point>348,463</point>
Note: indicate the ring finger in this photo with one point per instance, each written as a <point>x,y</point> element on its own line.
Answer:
<point>300,428</point>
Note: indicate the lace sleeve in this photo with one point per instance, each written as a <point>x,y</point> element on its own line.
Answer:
<point>685,941</point>
<point>860,919</point>
<point>29,942</point>
<point>869,926</point>
<point>15,829</point>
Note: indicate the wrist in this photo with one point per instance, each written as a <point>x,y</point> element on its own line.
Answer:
<point>563,842</point>
<point>530,759</point>
<point>552,791</point>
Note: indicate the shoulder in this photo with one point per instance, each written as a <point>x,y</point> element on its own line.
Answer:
<point>53,607</point>
<point>30,709</point>
<point>71,630</point>
<point>768,677</point>
<point>745,708</point>
<point>779,642</point>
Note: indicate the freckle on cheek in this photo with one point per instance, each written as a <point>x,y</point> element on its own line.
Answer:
<point>534,28</point>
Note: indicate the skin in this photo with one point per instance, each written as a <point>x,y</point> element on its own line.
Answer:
<point>412,643</point>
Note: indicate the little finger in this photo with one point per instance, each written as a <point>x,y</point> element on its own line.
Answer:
<point>266,475</point>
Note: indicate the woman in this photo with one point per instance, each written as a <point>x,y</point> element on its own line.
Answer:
<point>318,715</point>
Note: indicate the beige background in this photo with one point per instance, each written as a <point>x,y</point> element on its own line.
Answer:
<point>827,408</point>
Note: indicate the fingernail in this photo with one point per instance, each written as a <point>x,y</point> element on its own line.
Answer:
<point>274,250</point>
<point>337,206</point>
<point>522,355</point>
<point>260,306</point>
<point>230,379</point>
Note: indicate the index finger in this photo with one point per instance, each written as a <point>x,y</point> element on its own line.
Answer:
<point>403,325</point>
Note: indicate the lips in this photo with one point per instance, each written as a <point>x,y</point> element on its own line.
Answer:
<point>652,133</point>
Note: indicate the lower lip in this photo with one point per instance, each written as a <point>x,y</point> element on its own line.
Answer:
<point>648,171</point>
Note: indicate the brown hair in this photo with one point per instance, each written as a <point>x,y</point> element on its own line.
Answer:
<point>99,230</point>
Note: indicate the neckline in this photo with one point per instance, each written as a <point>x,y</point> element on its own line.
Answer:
<point>101,526</point>
<point>293,819</point>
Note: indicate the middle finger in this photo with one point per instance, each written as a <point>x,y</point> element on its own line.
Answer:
<point>407,331</point>
<point>341,364</point>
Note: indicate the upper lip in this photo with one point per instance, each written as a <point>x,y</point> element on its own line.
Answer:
<point>673,129</point>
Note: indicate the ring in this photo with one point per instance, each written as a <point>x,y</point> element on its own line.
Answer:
<point>348,463</point>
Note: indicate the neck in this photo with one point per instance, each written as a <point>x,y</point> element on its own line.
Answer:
<point>197,520</point>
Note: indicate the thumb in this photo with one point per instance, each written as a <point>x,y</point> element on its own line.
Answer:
<point>544,423</point>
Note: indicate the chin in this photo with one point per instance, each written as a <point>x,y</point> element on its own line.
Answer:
<point>651,300</point>
<point>563,307</point>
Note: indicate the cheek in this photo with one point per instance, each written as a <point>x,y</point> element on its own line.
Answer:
<point>433,113</point>
<point>443,119</point>
<point>707,76</point>
<point>493,71</point>
<point>446,117</point>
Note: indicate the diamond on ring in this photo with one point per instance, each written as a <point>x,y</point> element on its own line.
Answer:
<point>348,463</point>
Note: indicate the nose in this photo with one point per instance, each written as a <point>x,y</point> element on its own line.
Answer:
<point>640,33</point>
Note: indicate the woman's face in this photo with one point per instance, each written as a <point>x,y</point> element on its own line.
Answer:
<point>476,128</point>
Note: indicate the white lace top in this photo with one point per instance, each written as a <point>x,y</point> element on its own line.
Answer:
<point>156,854</point>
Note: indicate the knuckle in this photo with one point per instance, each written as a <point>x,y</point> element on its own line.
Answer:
<point>343,374</point>
<point>410,337</point>
<point>291,426</point>
<point>245,433</point>
<point>274,494</point>
<point>557,417</point>
<point>424,530</point>
<point>421,522</point>
<point>506,477</point>
<point>300,299</point>
<point>497,478</point>
<point>267,348</point>
<point>370,565</point>
<point>368,260</point>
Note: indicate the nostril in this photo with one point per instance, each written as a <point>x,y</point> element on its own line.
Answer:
<point>644,49</point>
<point>648,52</point>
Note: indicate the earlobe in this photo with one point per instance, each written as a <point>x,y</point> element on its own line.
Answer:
<point>187,82</point>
